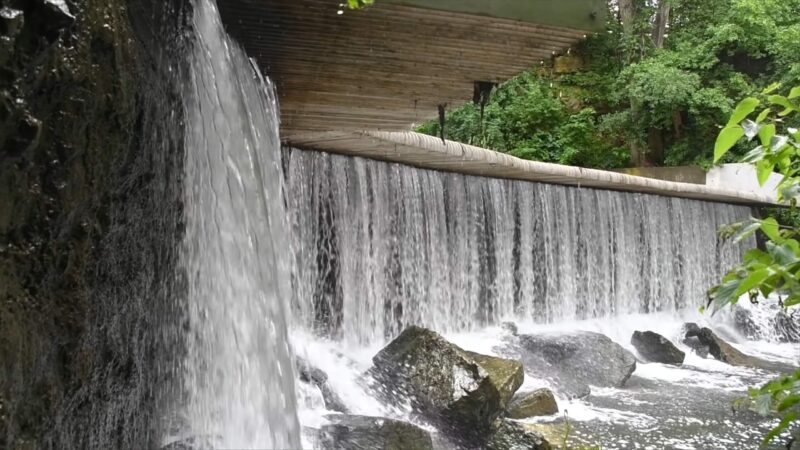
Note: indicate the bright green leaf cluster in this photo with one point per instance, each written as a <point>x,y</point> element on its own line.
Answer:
<point>775,270</point>
<point>356,4</point>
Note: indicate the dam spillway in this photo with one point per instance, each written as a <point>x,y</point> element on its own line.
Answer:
<point>380,246</point>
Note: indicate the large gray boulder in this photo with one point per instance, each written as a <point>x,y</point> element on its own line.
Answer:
<point>540,402</point>
<point>574,361</point>
<point>461,391</point>
<point>726,353</point>
<point>509,435</point>
<point>654,347</point>
<point>346,432</point>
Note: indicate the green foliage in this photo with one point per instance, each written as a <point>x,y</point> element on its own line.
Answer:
<point>632,100</point>
<point>776,269</point>
<point>356,4</point>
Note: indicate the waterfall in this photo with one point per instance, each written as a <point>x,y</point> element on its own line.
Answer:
<point>380,246</point>
<point>238,372</point>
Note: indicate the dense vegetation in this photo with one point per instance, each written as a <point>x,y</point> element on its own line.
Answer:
<point>774,139</point>
<point>653,90</point>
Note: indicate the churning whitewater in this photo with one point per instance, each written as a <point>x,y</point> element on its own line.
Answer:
<point>382,246</point>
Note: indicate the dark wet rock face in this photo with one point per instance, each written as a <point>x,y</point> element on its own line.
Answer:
<point>725,352</point>
<point>540,402</point>
<point>573,361</point>
<point>462,391</point>
<point>690,333</point>
<point>90,161</point>
<point>656,348</point>
<point>509,435</point>
<point>346,432</point>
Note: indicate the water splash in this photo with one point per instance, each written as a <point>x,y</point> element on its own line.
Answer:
<point>381,246</point>
<point>238,372</point>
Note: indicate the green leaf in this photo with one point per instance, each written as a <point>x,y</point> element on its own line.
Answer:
<point>785,422</point>
<point>782,101</point>
<point>746,231</point>
<point>795,93</point>
<point>764,170</point>
<point>728,137</point>
<point>784,255</point>
<point>771,228</point>
<point>771,88</point>
<point>725,293</point>
<point>743,109</point>
<point>752,280</point>
<point>791,301</point>
<point>788,402</point>
<point>766,133</point>
<point>763,115</point>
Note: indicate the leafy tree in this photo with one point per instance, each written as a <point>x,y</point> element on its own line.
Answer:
<point>657,82</point>
<point>776,269</point>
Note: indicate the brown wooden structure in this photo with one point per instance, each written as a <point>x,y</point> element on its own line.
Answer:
<point>389,66</point>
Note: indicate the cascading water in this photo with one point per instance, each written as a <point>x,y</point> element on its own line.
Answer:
<point>238,373</point>
<point>382,246</point>
<point>379,247</point>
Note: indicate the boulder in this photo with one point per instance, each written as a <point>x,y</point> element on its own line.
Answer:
<point>509,435</point>
<point>540,402</point>
<point>461,391</point>
<point>690,339</point>
<point>656,348</point>
<point>725,352</point>
<point>346,432</point>
<point>317,377</point>
<point>573,361</point>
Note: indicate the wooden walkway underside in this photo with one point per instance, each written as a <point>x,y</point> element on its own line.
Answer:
<point>386,67</point>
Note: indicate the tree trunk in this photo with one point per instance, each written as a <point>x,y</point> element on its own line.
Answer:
<point>660,23</point>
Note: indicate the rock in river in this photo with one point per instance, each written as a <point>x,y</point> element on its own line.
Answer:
<point>574,361</point>
<point>509,435</point>
<point>540,402</point>
<point>656,348</point>
<point>464,392</point>
<point>725,352</point>
<point>346,432</point>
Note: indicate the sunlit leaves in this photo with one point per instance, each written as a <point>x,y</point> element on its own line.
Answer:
<point>728,137</point>
<point>356,4</point>
<point>743,109</point>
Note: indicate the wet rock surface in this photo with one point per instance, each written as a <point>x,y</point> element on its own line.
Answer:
<point>89,218</point>
<point>464,392</point>
<point>509,435</point>
<point>725,352</point>
<point>347,432</point>
<point>690,331</point>
<point>540,402</point>
<point>656,348</point>
<point>573,361</point>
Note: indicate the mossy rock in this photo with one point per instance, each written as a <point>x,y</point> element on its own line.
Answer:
<point>540,402</point>
<point>346,432</point>
<point>510,435</point>
<point>463,392</point>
